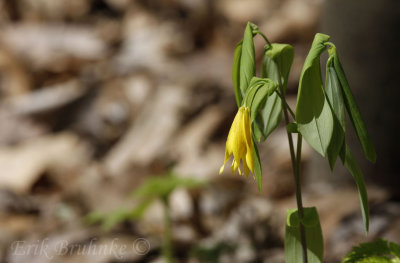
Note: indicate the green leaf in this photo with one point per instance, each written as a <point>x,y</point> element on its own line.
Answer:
<point>260,96</point>
<point>394,249</point>
<point>155,187</point>
<point>351,164</point>
<point>257,166</point>
<point>336,143</point>
<point>313,232</point>
<point>247,59</point>
<point>258,91</point>
<point>236,73</point>
<point>162,186</point>
<point>282,55</point>
<point>276,65</point>
<point>108,221</point>
<point>334,94</point>
<point>257,130</point>
<point>313,114</point>
<point>123,214</point>
<point>353,110</point>
<point>269,68</point>
<point>373,252</point>
<point>271,112</point>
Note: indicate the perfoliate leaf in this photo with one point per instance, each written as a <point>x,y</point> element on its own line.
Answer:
<point>236,73</point>
<point>257,166</point>
<point>259,98</point>
<point>353,110</point>
<point>276,65</point>
<point>336,143</point>
<point>334,94</point>
<point>351,165</point>
<point>271,112</point>
<point>247,59</point>
<point>258,91</point>
<point>313,233</point>
<point>257,132</point>
<point>282,55</point>
<point>269,69</point>
<point>313,114</point>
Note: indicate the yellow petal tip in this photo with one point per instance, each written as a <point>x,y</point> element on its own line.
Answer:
<point>221,169</point>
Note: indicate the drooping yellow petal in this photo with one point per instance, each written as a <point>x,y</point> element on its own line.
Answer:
<point>240,143</point>
<point>221,170</point>
<point>235,166</point>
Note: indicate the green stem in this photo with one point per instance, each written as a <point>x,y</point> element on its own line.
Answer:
<point>287,105</point>
<point>167,240</point>
<point>265,38</point>
<point>299,198</point>
<point>296,170</point>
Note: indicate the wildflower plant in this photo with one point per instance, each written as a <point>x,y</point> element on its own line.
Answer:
<point>320,118</point>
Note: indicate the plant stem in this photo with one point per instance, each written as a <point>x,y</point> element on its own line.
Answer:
<point>265,38</point>
<point>299,199</point>
<point>167,242</point>
<point>296,160</point>
<point>287,106</point>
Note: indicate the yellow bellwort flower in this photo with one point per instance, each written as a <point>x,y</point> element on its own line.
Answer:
<point>240,143</point>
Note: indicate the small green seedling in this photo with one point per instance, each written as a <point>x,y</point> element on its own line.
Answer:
<point>152,189</point>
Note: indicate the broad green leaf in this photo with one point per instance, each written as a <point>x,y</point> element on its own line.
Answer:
<point>122,215</point>
<point>259,98</point>
<point>263,93</point>
<point>336,143</point>
<point>258,91</point>
<point>353,110</point>
<point>276,65</point>
<point>351,165</point>
<point>257,166</point>
<point>282,55</point>
<point>108,221</point>
<point>269,69</point>
<point>162,186</point>
<point>236,73</point>
<point>394,249</point>
<point>313,114</point>
<point>271,112</point>
<point>334,94</point>
<point>313,232</point>
<point>374,252</point>
<point>257,130</point>
<point>247,59</point>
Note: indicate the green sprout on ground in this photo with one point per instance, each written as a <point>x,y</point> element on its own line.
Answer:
<point>155,188</point>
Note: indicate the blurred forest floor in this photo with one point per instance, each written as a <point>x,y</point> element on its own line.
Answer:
<point>98,95</point>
